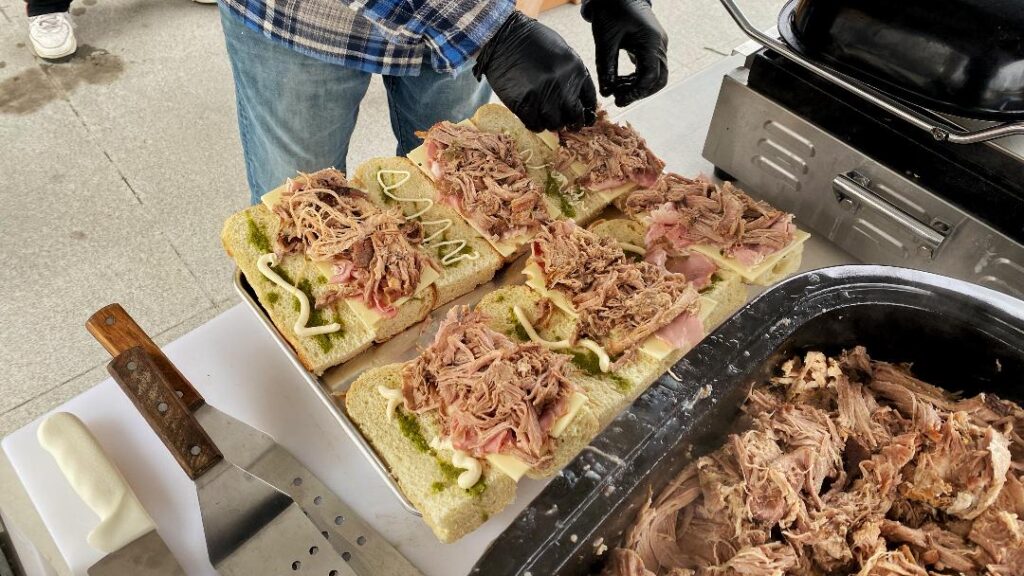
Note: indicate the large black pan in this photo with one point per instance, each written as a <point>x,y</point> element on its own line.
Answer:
<point>957,335</point>
<point>963,57</point>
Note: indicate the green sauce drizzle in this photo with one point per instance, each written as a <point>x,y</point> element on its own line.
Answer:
<point>257,237</point>
<point>273,297</point>
<point>589,363</point>
<point>554,190</point>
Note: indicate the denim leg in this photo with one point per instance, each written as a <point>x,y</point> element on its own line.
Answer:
<point>419,102</point>
<point>294,112</point>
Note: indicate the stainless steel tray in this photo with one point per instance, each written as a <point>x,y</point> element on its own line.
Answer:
<point>405,346</point>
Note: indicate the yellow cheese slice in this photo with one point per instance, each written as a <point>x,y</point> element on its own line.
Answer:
<point>504,247</point>
<point>750,273</point>
<point>550,138</point>
<point>535,279</point>
<point>579,169</point>
<point>510,466</point>
<point>576,401</point>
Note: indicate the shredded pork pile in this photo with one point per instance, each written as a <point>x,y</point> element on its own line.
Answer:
<point>620,302</point>
<point>483,176</point>
<point>613,155</point>
<point>685,212</point>
<point>372,251</point>
<point>851,466</point>
<point>492,395</point>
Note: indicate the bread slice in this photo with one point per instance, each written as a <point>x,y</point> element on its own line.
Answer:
<point>727,290</point>
<point>248,235</point>
<point>539,156</point>
<point>458,277</point>
<point>424,474</point>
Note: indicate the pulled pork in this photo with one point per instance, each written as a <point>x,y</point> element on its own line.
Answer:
<point>684,212</point>
<point>483,176</point>
<point>612,154</point>
<point>850,466</point>
<point>620,302</point>
<point>372,251</point>
<point>492,395</point>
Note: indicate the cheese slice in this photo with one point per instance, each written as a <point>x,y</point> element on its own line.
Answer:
<point>750,273</point>
<point>535,279</point>
<point>510,466</point>
<point>576,402</point>
<point>368,316</point>
<point>550,138</point>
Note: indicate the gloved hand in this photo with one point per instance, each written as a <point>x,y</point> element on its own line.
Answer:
<point>538,76</point>
<point>628,25</point>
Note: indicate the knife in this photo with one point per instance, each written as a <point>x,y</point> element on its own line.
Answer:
<point>126,533</point>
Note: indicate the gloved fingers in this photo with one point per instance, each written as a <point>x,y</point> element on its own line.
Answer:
<point>588,98</point>
<point>607,46</point>
<point>651,75</point>
<point>530,116</point>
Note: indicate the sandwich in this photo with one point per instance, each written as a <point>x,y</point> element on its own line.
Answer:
<point>721,286</point>
<point>461,423</point>
<point>483,177</point>
<point>464,258</point>
<point>605,160</point>
<point>698,226</point>
<point>629,318</point>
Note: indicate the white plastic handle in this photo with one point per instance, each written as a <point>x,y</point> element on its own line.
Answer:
<point>96,481</point>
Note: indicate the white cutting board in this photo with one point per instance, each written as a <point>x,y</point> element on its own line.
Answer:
<point>235,364</point>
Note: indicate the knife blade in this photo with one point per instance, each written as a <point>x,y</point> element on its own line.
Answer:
<point>147,555</point>
<point>126,533</point>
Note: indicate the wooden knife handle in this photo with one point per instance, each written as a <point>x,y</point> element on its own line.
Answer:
<point>145,384</point>
<point>116,331</point>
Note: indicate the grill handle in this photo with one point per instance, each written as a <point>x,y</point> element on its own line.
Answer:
<point>916,119</point>
<point>848,190</point>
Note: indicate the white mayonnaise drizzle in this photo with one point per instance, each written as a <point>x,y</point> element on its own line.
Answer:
<point>527,155</point>
<point>471,466</point>
<point>604,362</point>
<point>627,247</point>
<point>270,259</point>
<point>394,398</point>
<point>573,194</point>
<point>444,224</point>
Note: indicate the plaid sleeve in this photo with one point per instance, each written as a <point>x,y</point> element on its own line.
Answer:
<point>454,30</point>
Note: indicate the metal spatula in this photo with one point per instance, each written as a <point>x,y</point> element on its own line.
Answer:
<point>251,527</point>
<point>366,551</point>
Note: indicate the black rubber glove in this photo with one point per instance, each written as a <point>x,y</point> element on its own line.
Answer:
<point>538,76</point>
<point>628,25</point>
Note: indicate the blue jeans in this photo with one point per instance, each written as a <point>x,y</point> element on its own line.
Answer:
<point>297,113</point>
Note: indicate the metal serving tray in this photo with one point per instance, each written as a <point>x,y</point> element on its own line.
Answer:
<point>405,346</point>
<point>959,336</point>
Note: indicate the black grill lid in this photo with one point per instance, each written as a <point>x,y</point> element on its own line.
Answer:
<point>963,57</point>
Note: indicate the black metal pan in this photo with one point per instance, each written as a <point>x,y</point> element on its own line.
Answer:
<point>958,335</point>
<point>962,57</point>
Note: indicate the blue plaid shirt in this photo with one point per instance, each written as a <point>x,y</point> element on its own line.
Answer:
<point>391,37</point>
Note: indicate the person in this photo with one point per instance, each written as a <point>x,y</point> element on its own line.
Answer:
<point>51,30</point>
<point>301,69</point>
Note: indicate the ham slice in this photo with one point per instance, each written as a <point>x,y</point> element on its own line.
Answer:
<point>684,332</point>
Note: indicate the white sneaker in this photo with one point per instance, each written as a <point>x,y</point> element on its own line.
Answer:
<point>52,35</point>
<point>205,1</point>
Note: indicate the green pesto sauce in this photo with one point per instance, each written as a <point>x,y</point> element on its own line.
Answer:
<point>450,472</point>
<point>273,297</point>
<point>321,279</point>
<point>411,430</point>
<point>317,317</point>
<point>485,516</point>
<point>257,237</point>
<point>438,487</point>
<point>477,490</point>
<point>553,190</point>
<point>589,363</point>
<point>284,275</point>
<point>500,298</point>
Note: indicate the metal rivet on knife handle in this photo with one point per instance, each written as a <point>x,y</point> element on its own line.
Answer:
<point>117,331</point>
<point>167,414</point>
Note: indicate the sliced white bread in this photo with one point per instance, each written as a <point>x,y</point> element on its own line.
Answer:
<point>466,259</point>
<point>248,235</point>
